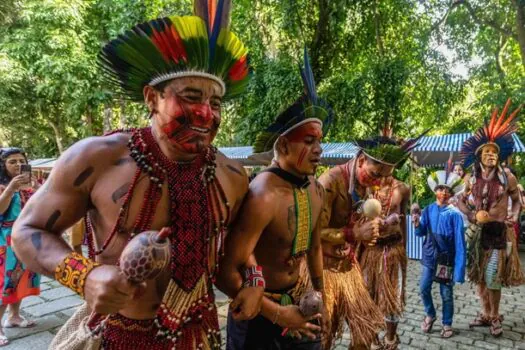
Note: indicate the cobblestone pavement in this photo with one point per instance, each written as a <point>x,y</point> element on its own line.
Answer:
<point>56,304</point>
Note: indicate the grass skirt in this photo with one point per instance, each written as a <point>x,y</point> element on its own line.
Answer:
<point>384,271</point>
<point>509,272</point>
<point>347,299</point>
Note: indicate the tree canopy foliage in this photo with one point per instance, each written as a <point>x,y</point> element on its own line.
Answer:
<point>373,60</point>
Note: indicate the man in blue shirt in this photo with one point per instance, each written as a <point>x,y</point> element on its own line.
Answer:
<point>443,249</point>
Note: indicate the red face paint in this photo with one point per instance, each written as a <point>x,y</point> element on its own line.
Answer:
<point>366,179</point>
<point>301,157</point>
<point>305,141</point>
<point>309,129</point>
<point>190,127</point>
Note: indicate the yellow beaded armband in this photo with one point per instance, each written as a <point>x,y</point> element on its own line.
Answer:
<point>73,270</point>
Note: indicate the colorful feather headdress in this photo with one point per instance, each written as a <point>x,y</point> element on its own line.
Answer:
<point>189,46</point>
<point>497,132</point>
<point>308,108</point>
<point>446,178</point>
<point>387,150</point>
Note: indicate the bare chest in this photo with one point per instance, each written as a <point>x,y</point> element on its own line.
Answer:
<point>126,201</point>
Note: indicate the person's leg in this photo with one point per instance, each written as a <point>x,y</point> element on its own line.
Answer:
<point>14,319</point>
<point>484,299</point>
<point>494,297</point>
<point>447,296</point>
<point>3,339</point>
<point>425,289</point>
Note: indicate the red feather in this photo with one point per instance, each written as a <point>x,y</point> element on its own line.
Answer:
<point>181,51</point>
<point>239,70</point>
<point>161,45</point>
<point>212,11</point>
<point>492,121</point>
<point>505,125</point>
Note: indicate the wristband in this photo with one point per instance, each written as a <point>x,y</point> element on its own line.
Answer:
<point>73,270</point>
<point>253,277</point>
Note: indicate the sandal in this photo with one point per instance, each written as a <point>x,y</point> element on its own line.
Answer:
<point>447,332</point>
<point>24,324</point>
<point>426,325</point>
<point>3,340</point>
<point>391,344</point>
<point>480,321</point>
<point>496,330</point>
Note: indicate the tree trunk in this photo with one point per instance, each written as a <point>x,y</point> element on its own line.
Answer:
<point>123,119</point>
<point>89,121</point>
<point>321,32</point>
<point>58,136</point>
<point>499,66</point>
<point>108,116</point>
<point>520,26</point>
<point>377,25</point>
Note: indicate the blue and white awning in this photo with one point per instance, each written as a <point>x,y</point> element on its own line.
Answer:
<point>453,142</point>
<point>436,150</point>
<point>333,153</point>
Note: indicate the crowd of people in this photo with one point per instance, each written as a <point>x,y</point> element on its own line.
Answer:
<point>299,257</point>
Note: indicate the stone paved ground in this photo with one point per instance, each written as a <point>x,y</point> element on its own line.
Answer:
<point>55,304</point>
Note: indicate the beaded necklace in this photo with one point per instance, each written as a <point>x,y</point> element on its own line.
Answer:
<point>198,223</point>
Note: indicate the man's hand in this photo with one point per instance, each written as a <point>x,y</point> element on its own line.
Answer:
<point>290,317</point>
<point>107,290</point>
<point>368,231</point>
<point>247,303</point>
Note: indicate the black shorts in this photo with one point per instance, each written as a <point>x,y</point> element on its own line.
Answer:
<point>261,334</point>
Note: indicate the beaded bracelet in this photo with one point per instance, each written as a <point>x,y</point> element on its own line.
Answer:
<point>253,277</point>
<point>73,270</point>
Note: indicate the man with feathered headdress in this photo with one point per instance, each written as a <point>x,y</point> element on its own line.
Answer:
<point>444,251</point>
<point>364,251</point>
<point>279,223</point>
<point>493,260</point>
<point>165,175</point>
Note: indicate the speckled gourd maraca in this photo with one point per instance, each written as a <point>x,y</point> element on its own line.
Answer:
<point>311,303</point>
<point>146,255</point>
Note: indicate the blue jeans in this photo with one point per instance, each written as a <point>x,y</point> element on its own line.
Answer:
<point>425,288</point>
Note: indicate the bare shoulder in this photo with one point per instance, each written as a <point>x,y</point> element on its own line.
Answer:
<point>265,188</point>
<point>88,158</point>
<point>512,181</point>
<point>231,165</point>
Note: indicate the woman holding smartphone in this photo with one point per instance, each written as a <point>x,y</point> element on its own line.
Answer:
<point>16,282</point>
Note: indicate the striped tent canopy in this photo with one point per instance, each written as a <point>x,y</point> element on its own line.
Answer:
<point>432,151</point>
<point>333,154</point>
<point>435,150</point>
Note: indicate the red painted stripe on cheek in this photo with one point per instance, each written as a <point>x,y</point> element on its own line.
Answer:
<point>301,157</point>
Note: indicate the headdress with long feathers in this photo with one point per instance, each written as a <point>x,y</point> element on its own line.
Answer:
<point>307,108</point>
<point>387,150</point>
<point>446,178</point>
<point>179,46</point>
<point>498,132</point>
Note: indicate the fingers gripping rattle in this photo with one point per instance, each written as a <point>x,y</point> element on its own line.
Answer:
<point>311,303</point>
<point>144,258</point>
<point>146,255</point>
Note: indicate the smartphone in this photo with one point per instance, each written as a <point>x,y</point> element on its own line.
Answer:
<point>26,168</point>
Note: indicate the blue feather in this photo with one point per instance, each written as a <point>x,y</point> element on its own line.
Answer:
<point>308,78</point>
<point>216,29</point>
